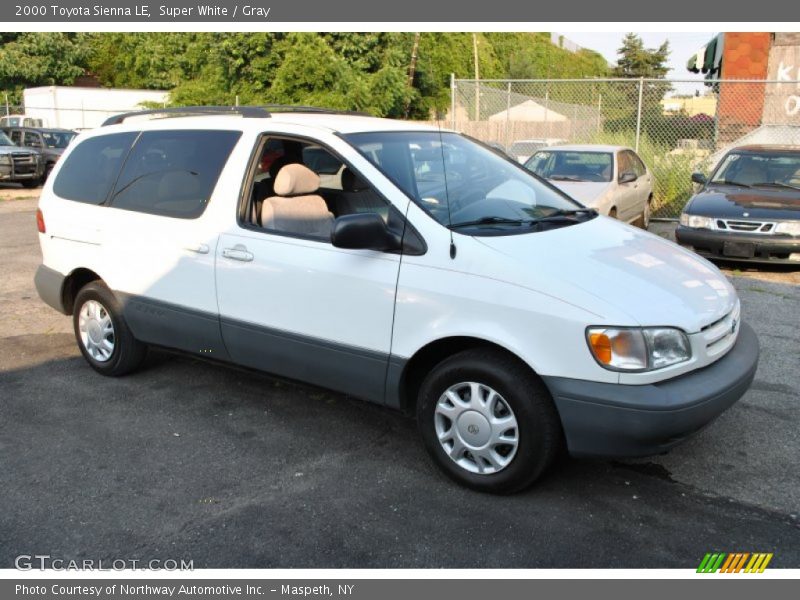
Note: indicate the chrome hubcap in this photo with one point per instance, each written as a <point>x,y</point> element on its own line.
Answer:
<point>476,428</point>
<point>96,330</point>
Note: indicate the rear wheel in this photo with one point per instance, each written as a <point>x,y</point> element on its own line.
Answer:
<point>644,220</point>
<point>613,212</point>
<point>29,184</point>
<point>488,422</point>
<point>103,337</point>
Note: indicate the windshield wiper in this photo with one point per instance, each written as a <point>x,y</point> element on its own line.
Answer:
<point>728,182</point>
<point>561,213</point>
<point>490,221</point>
<point>565,178</point>
<point>777,185</point>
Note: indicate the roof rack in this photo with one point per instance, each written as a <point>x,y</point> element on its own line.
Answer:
<point>185,111</point>
<point>245,111</point>
<point>311,109</point>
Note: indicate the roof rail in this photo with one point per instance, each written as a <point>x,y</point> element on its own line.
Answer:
<point>311,109</point>
<point>185,111</point>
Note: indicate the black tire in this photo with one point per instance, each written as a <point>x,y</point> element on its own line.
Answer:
<point>644,219</point>
<point>128,352</point>
<point>539,427</point>
<point>29,184</point>
<point>47,170</point>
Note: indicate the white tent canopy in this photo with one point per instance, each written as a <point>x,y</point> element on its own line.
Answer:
<point>528,111</point>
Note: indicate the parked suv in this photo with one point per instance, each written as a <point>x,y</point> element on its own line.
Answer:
<point>51,143</point>
<point>397,263</point>
<point>19,165</point>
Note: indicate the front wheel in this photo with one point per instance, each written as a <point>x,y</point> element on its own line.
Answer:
<point>103,337</point>
<point>29,184</point>
<point>488,422</point>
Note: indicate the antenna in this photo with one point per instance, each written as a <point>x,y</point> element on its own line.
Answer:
<point>446,192</point>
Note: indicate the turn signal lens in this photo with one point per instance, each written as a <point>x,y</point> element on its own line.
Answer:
<point>40,221</point>
<point>601,347</point>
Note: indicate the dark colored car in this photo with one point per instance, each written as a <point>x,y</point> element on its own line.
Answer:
<point>51,143</point>
<point>748,209</point>
<point>20,165</point>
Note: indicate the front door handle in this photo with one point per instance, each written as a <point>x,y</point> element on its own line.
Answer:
<point>238,252</point>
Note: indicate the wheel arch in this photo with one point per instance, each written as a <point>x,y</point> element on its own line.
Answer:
<point>73,284</point>
<point>426,358</point>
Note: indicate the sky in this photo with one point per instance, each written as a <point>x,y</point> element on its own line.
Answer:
<point>682,45</point>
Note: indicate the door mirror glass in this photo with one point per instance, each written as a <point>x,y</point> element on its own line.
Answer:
<point>627,177</point>
<point>698,177</point>
<point>365,231</point>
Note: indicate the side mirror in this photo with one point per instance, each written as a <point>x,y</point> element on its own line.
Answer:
<point>365,231</point>
<point>698,177</point>
<point>628,177</point>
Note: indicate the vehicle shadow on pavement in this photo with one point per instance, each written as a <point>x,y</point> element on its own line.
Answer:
<point>230,468</point>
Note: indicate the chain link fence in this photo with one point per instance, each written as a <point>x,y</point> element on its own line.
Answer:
<point>676,126</point>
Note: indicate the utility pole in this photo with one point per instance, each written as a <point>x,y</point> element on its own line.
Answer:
<point>477,78</point>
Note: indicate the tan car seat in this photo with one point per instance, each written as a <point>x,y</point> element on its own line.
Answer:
<point>296,208</point>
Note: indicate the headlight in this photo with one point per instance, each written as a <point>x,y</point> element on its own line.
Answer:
<point>696,221</point>
<point>788,227</point>
<point>5,159</point>
<point>633,349</point>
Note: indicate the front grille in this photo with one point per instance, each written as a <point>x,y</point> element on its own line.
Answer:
<point>24,162</point>
<point>716,334</point>
<point>23,159</point>
<point>761,227</point>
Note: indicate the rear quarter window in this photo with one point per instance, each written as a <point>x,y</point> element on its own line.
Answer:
<point>173,173</point>
<point>92,167</point>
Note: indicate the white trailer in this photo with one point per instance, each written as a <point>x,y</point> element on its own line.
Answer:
<point>85,107</point>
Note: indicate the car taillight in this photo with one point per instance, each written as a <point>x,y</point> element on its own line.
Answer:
<point>40,221</point>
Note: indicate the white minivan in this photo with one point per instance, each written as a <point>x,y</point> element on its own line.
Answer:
<point>394,262</point>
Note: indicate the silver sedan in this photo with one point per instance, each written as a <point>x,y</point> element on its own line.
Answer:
<point>611,179</point>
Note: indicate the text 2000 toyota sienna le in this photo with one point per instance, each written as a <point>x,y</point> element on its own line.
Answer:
<point>397,263</point>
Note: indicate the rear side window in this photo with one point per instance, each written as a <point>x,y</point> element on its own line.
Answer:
<point>173,173</point>
<point>92,167</point>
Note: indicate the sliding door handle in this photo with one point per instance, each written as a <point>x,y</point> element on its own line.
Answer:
<point>238,252</point>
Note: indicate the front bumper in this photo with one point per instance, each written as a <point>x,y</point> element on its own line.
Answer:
<point>614,420</point>
<point>766,248</point>
<point>26,172</point>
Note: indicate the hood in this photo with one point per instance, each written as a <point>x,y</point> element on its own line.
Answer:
<point>729,202</point>
<point>588,193</point>
<point>12,149</point>
<point>605,262</point>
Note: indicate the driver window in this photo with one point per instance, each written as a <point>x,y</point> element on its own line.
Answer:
<point>300,188</point>
<point>624,164</point>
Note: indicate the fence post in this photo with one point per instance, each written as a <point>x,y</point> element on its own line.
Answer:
<point>508,115</point>
<point>639,113</point>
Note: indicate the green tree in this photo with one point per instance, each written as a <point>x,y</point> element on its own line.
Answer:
<point>41,58</point>
<point>637,61</point>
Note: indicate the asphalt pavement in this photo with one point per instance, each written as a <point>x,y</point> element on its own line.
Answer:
<point>230,468</point>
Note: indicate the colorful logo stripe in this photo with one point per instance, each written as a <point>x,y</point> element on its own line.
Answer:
<point>734,562</point>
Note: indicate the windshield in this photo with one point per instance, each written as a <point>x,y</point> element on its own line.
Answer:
<point>460,182</point>
<point>57,139</point>
<point>777,170</point>
<point>562,165</point>
<point>4,141</point>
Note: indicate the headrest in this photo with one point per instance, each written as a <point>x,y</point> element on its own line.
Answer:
<point>352,182</point>
<point>296,179</point>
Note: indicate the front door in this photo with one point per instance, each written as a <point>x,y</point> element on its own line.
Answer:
<point>290,302</point>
